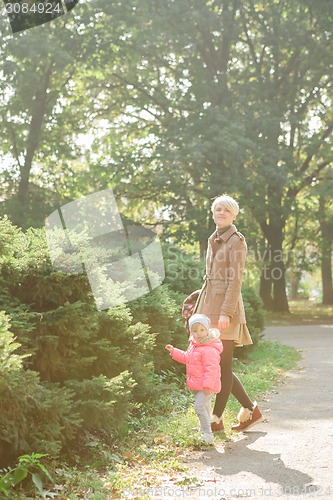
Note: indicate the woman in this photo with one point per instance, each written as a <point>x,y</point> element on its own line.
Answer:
<point>221,300</point>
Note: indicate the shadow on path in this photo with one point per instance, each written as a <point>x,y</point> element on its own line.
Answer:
<point>268,466</point>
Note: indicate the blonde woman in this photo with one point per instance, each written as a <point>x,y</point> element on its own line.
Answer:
<point>221,300</point>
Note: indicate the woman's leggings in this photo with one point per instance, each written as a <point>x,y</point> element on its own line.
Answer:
<point>230,383</point>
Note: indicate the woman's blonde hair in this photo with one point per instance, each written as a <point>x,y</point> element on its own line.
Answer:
<point>227,202</point>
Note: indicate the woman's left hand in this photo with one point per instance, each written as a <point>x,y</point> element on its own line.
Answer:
<point>223,323</point>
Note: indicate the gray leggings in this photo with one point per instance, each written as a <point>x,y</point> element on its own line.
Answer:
<point>202,404</point>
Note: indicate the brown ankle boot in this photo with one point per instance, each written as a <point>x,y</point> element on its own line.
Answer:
<point>248,418</point>
<point>216,423</point>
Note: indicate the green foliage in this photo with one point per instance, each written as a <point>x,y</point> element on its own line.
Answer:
<point>161,310</point>
<point>103,403</point>
<point>28,466</point>
<point>184,271</point>
<point>9,360</point>
<point>255,313</point>
<point>73,367</point>
<point>32,415</point>
<point>9,235</point>
<point>222,102</point>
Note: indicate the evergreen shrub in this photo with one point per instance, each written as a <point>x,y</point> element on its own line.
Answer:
<point>255,313</point>
<point>184,270</point>
<point>103,403</point>
<point>161,310</point>
<point>81,369</point>
<point>32,414</point>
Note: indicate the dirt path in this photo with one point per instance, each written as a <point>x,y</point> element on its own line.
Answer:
<point>289,456</point>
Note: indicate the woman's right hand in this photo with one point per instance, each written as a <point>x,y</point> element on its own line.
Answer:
<point>223,323</point>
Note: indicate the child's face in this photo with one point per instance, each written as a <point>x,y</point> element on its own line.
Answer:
<point>199,331</point>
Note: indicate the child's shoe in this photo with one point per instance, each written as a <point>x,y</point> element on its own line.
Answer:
<point>207,437</point>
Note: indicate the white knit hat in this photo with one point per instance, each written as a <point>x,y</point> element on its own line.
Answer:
<point>199,318</point>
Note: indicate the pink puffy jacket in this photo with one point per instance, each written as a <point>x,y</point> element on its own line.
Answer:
<point>202,362</point>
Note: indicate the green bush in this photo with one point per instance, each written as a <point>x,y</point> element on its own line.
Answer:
<point>184,271</point>
<point>255,313</point>
<point>32,415</point>
<point>161,310</point>
<point>82,369</point>
<point>103,403</point>
<point>29,469</point>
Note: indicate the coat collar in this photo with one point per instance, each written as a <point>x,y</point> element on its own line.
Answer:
<point>224,236</point>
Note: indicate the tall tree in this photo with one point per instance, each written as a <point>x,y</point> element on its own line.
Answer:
<point>35,68</point>
<point>289,82</point>
<point>325,216</point>
<point>44,74</point>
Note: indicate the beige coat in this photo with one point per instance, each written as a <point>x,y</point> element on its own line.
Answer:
<point>221,293</point>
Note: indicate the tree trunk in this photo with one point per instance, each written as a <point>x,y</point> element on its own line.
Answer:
<point>203,247</point>
<point>280,300</point>
<point>326,272</point>
<point>38,113</point>
<point>294,285</point>
<point>273,281</point>
<point>265,291</point>
<point>273,284</point>
<point>326,228</point>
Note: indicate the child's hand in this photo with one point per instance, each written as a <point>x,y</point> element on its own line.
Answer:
<point>207,392</point>
<point>169,347</point>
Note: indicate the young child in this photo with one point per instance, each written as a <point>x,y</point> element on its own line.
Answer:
<point>203,372</point>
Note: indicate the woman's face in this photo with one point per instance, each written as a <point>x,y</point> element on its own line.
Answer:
<point>222,216</point>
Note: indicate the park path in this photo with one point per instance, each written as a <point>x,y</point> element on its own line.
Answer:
<point>290,454</point>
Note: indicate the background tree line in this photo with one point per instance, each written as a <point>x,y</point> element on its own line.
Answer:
<point>170,104</point>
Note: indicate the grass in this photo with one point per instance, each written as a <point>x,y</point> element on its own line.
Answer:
<point>157,445</point>
<point>302,312</point>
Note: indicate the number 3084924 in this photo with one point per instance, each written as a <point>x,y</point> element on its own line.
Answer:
<point>38,8</point>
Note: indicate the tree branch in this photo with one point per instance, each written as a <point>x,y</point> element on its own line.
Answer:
<point>310,156</point>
